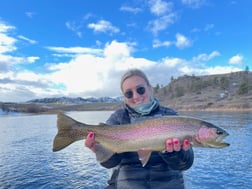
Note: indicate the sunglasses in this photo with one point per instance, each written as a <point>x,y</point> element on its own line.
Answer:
<point>129,94</point>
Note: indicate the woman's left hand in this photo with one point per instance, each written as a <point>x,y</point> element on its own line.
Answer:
<point>175,145</point>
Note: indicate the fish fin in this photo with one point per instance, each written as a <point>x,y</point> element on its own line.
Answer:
<point>144,156</point>
<point>63,138</point>
<point>61,142</point>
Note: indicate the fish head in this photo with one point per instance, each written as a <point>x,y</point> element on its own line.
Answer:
<point>211,136</point>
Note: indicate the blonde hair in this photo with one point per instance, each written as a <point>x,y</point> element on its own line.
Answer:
<point>134,72</point>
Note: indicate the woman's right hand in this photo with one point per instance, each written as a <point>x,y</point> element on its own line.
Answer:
<point>90,141</point>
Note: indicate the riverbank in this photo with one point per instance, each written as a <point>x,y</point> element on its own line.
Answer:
<point>54,108</point>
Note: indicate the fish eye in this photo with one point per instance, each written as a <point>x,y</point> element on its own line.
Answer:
<point>219,132</point>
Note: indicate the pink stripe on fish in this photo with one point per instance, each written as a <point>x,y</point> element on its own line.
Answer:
<point>144,131</point>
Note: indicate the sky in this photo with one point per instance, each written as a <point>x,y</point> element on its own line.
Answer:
<point>80,48</point>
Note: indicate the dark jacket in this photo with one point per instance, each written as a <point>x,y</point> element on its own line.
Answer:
<point>163,170</point>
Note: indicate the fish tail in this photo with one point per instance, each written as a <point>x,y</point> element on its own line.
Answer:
<point>64,137</point>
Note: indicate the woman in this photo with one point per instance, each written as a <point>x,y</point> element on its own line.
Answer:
<point>164,169</point>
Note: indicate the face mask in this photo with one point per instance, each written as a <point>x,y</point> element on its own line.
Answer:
<point>145,109</point>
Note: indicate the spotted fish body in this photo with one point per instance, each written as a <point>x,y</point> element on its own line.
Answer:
<point>148,135</point>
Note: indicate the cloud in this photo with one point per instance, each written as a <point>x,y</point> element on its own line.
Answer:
<point>103,26</point>
<point>159,7</point>
<point>173,62</point>
<point>164,16</point>
<point>161,23</point>
<point>194,3</point>
<point>70,51</point>
<point>7,43</point>
<point>92,75</point>
<point>27,39</point>
<point>182,41</point>
<point>236,60</point>
<point>4,27</point>
<point>157,43</point>
<point>220,70</point>
<point>188,70</point>
<point>95,75</point>
<point>206,57</point>
<point>8,47</point>
<point>116,50</point>
<point>133,10</point>
<point>30,14</point>
<point>208,27</point>
<point>8,61</point>
<point>198,65</point>
<point>74,27</point>
<point>24,85</point>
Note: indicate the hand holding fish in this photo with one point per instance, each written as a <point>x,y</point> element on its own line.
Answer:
<point>174,145</point>
<point>90,142</point>
<point>102,154</point>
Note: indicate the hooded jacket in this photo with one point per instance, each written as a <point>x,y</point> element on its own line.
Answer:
<point>163,170</point>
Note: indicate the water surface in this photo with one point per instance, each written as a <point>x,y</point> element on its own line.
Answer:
<point>27,160</point>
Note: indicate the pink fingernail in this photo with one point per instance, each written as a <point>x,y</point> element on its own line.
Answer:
<point>186,142</point>
<point>91,135</point>
<point>175,141</point>
<point>169,143</point>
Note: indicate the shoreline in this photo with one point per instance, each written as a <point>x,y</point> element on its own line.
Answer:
<point>218,110</point>
<point>38,108</point>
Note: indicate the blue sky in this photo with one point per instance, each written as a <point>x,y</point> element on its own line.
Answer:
<point>80,48</point>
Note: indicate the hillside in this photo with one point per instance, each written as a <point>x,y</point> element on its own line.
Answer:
<point>225,91</point>
<point>231,91</point>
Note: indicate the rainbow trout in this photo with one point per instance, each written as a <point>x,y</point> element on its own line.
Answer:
<point>146,136</point>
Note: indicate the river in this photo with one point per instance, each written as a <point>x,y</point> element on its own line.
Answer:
<point>27,160</point>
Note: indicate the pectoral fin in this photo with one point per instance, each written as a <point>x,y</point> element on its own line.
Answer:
<point>144,156</point>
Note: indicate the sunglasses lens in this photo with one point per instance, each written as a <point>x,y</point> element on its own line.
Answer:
<point>128,94</point>
<point>140,90</point>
